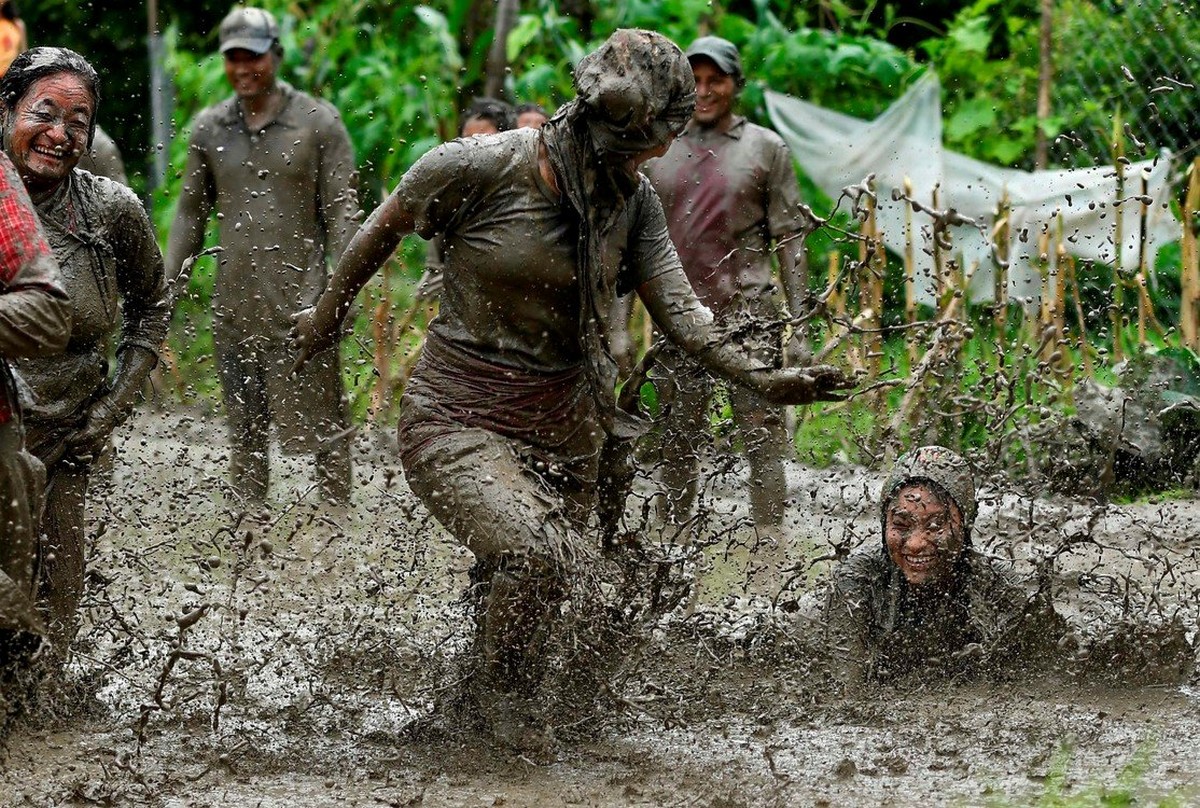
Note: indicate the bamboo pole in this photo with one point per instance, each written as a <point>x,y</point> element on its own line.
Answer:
<point>1001,235</point>
<point>1046,309</point>
<point>1084,346</point>
<point>939,258</point>
<point>1189,309</point>
<point>1116,312</point>
<point>870,248</point>
<point>1144,309</point>
<point>910,275</point>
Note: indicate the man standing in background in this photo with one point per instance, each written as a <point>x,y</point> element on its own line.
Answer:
<point>278,166</point>
<point>732,201</point>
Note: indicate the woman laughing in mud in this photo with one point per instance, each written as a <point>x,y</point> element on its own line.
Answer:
<point>502,423</point>
<point>113,272</point>
<point>924,599</point>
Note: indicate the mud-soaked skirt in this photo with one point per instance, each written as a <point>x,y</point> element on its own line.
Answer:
<point>506,459</point>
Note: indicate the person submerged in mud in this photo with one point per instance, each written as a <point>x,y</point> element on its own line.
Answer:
<point>924,598</point>
<point>113,271</point>
<point>502,424</point>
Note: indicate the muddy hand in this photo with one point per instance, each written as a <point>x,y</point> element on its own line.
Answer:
<point>806,385</point>
<point>92,438</point>
<point>307,340</point>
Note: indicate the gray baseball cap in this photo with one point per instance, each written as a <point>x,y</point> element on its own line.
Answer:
<point>723,53</point>
<point>251,29</point>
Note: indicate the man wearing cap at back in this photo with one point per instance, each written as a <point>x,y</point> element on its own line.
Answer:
<point>731,198</point>
<point>278,166</point>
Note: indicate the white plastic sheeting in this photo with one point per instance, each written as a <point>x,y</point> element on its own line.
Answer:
<point>905,142</point>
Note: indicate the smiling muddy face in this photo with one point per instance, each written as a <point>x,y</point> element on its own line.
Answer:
<point>48,129</point>
<point>923,529</point>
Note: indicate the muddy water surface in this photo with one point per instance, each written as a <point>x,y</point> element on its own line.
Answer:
<point>326,638</point>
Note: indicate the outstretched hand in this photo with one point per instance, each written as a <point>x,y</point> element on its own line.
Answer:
<point>804,385</point>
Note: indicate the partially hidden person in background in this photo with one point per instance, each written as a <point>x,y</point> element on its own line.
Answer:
<point>113,271</point>
<point>278,166</point>
<point>733,208</point>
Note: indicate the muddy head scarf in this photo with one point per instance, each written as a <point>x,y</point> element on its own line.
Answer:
<point>947,471</point>
<point>631,95</point>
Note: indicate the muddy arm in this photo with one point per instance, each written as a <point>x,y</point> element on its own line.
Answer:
<point>196,198</point>
<point>317,328</point>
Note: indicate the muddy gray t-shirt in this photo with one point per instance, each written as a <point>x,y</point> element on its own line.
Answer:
<point>510,250</point>
<point>727,197</point>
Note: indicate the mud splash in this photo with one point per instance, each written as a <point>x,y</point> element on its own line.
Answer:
<point>285,659</point>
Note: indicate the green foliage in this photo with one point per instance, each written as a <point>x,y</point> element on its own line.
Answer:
<point>1130,787</point>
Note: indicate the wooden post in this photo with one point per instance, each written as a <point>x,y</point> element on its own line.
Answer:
<point>1189,309</point>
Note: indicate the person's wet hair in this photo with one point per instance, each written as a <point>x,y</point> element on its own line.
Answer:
<point>38,63</point>
<point>499,113</point>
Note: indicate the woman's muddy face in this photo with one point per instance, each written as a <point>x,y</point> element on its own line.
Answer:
<point>48,130</point>
<point>924,535</point>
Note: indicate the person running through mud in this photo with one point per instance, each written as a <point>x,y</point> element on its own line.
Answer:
<point>35,320</point>
<point>502,423</point>
<point>278,166</point>
<point>924,599</point>
<point>112,270</point>
<point>732,201</point>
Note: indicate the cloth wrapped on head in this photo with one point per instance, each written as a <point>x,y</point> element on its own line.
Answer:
<point>636,91</point>
<point>943,468</point>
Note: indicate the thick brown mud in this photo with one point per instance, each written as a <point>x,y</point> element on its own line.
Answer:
<point>305,657</point>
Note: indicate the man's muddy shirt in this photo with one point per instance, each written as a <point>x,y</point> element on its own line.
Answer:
<point>285,199</point>
<point>113,271</point>
<point>877,629</point>
<point>727,197</point>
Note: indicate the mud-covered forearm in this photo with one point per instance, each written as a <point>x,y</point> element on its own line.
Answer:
<point>371,246</point>
<point>133,368</point>
<point>34,321</point>
<point>187,230</point>
<point>690,325</point>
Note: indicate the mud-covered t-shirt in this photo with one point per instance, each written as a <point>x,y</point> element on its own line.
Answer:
<point>286,200</point>
<point>877,628</point>
<point>113,271</point>
<point>727,196</point>
<point>510,250</point>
